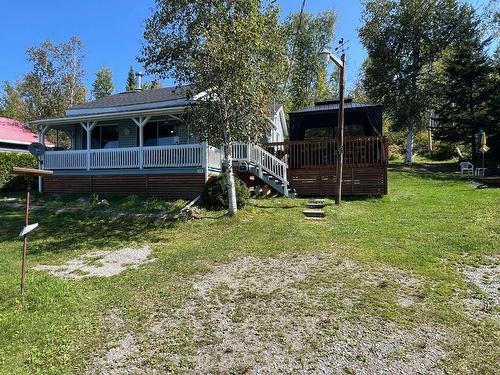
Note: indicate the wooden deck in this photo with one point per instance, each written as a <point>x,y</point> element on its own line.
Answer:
<point>312,166</point>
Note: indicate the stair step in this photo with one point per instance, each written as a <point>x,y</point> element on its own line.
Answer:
<point>314,218</point>
<point>315,205</point>
<point>314,213</point>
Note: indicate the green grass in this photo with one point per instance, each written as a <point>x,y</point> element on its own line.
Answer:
<point>431,224</point>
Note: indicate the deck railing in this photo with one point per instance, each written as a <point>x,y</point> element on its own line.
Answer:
<point>362,151</point>
<point>178,156</point>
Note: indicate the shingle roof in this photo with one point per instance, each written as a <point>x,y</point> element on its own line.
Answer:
<point>136,97</point>
<point>333,104</point>
<point>13,131</point>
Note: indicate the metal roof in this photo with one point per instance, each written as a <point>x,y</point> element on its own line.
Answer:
<point>15,132</point>
<point>333,104</point>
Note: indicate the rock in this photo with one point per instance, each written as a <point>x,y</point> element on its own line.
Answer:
<point>190,213</point>
<point>104,202</point>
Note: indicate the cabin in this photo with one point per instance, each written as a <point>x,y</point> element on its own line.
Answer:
<point>16,136</point>
<point>311,152</point>
<point>136,143</point>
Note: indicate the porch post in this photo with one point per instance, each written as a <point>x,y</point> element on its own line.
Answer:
<point>41,139</point>
<point>141,122</point>
<point>88,126</point>
<point>204,158</point>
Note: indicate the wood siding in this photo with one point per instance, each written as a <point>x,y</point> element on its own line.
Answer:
<point>357,181</point>
<point>169,186</point>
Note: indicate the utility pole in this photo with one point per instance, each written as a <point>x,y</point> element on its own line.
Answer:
<point>340,63</point>
<point>340,156</point>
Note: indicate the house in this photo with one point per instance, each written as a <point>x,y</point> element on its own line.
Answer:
<point>312,149</point>
<point>136,143</point>
<point>15,136</point>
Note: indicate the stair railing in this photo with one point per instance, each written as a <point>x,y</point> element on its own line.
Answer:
<point>264,161</point>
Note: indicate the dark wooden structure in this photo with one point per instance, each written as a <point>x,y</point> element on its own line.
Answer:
<point>312,149</point>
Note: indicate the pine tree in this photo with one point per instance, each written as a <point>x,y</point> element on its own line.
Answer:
<point>130,80</point>
<point>466,86</point>
<point>103,84</point>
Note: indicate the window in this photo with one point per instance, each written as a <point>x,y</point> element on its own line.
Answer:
<point>160,133</point>
<point>355,130</point>
<point>318,133</point>
<point>104,136</point>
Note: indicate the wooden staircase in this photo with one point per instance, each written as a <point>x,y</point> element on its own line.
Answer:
<point>264,165</point>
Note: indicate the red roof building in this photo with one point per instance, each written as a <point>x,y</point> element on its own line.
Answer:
<point>16,136</point>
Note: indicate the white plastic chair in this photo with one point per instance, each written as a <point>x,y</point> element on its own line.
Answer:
<point>466,168</point>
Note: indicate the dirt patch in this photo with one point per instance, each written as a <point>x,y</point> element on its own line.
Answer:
<point>121,349</point>
<point>291,315</point>
<point>486,278</point>
<point>100,263</point>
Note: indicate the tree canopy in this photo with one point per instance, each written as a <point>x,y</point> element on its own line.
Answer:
<point>103,84</point>
<point>308,78</point>
<point>53,84</point>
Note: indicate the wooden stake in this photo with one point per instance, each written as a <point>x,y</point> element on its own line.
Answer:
<point>25,239</point>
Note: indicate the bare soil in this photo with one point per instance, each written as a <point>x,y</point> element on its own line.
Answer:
<point>99,263</point>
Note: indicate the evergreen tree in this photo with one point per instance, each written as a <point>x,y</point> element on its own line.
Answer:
<point>130,80</point>
<point>103,84</point>
<point>465,87</point>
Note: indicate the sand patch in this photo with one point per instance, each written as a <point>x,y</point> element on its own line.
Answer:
<point>100,263</point>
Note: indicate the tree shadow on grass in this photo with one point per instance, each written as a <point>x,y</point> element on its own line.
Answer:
<point>73,232</point>
<point>435,171</point>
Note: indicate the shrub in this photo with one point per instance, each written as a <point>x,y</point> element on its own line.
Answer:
<point>214,194</point>
<point>443,151</point>
<point>8,180</point>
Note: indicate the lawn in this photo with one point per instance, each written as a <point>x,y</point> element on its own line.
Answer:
<point>379,283</point>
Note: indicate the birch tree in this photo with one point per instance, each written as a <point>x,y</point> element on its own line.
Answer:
<point>231,49</point>
<point>404,39</point>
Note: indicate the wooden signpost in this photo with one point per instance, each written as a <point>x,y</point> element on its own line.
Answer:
<point>29,174</point>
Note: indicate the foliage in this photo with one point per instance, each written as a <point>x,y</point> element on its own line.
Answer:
<point>103,84</point>
<point>153,85</point>
<point>130,80</point>
<point>8,180</point>
<point>404,39</point>
<point>54,83</point>
<point>308,76</point>
<point>231,49</point>
<point>215,195</point>
<point>466,69</point>
<point>12,104</point>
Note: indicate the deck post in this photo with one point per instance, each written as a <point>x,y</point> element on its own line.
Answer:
<point>141,122</point>
<point>204,158</point>
<point>41,139</point>
<point>88,126</point>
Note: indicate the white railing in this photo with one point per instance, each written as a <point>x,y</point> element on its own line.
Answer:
<point>76,159</point>
<point>173,156</point>
<point>178,156</point>
<point>114,158</point>
<point>214,158</point>
<point>264,161</point>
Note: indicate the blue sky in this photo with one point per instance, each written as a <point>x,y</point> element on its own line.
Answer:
<point>111,31</point>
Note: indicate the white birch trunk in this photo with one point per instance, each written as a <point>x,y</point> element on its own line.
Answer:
<point>231,189</point>
<point>409,146</point>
